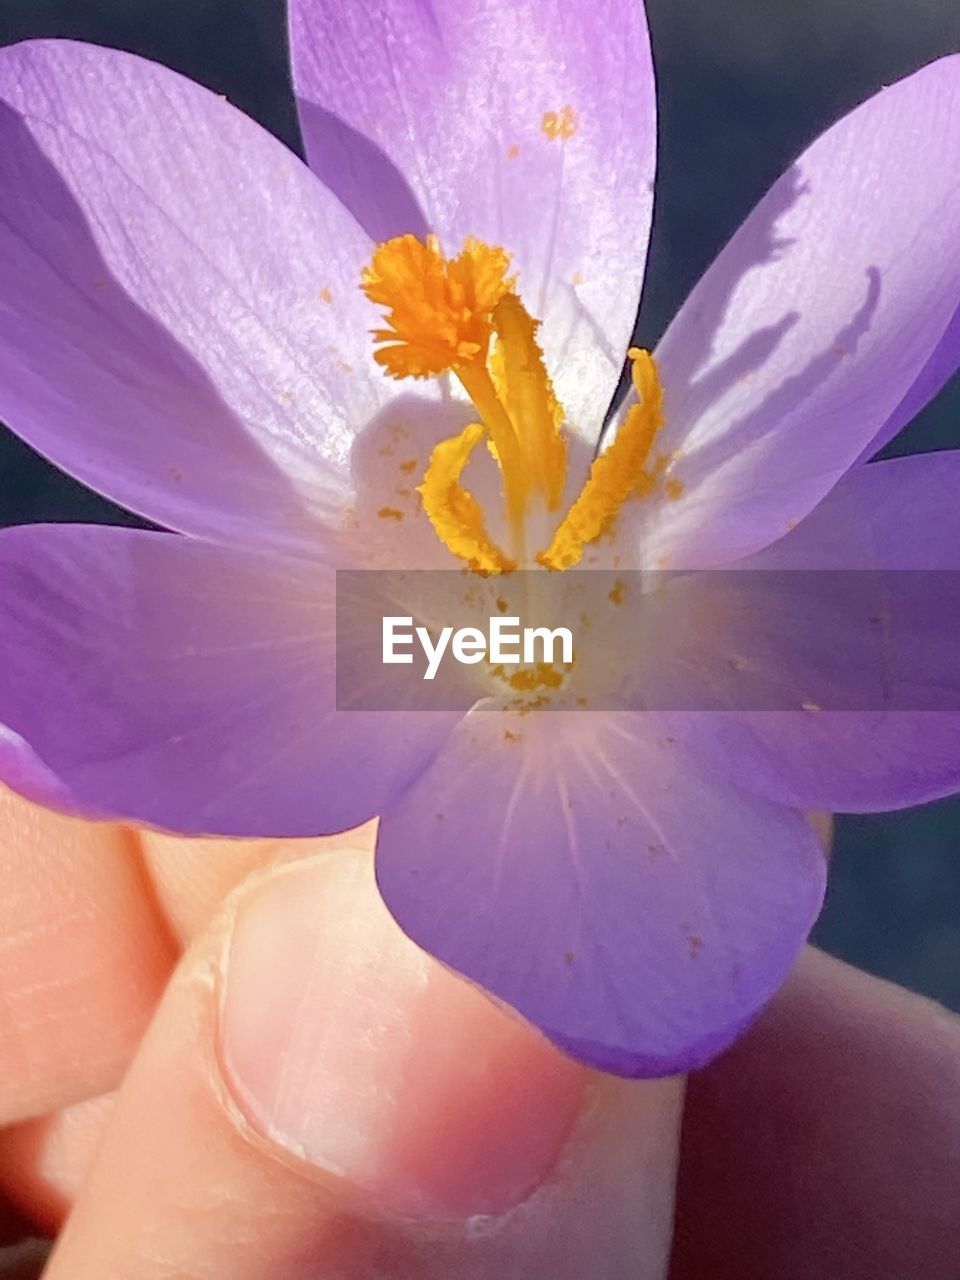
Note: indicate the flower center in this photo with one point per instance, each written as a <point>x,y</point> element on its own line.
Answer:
<point>463,316</point>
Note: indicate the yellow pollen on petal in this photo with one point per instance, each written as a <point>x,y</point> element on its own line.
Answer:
<point>619,472</point>
<point>560,124</point>
<point>529,679</point>
<point>453,511</point>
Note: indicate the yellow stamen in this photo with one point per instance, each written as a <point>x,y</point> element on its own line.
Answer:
<point>454,511</point>
<point>617,473</point>
<point>440,313</point>
<point>479,386</point>
<point>462,316</point>
<point>526,390</point>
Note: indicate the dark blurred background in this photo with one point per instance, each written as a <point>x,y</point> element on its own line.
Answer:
<point>744,86</point>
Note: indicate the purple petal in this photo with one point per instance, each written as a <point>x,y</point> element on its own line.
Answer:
<point>813,324</point>
<point>935,375</point>
<point>837,761</point>
<point>433,115</point>
<point>898,514</point>
<point>901,514</point>
<point>583,871</point>
<point>782,640</point>
<point>23,771</point>
<point>151,677</point>
<point>164,329</point>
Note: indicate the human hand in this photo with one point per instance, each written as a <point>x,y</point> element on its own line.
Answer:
<point>309,1096</point>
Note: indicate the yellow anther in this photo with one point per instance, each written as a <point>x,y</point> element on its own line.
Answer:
<point>453,511</point>
<point>438,309</point>
<point>527,393</point>
<point>618,472</point>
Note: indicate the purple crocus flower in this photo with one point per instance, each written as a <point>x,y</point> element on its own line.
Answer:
<point>182,328</point>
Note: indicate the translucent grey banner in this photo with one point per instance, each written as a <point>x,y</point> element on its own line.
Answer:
<point>590,640</point>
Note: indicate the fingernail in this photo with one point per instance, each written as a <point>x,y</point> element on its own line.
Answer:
<point>348,1046</point>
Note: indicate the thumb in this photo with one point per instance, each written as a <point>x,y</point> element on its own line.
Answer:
<point>318,1098</point>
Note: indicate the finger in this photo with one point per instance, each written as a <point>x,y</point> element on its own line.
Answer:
<point>83,958</point>
<point>43,1162</point>
<point>827,1142</point>
<point>318,1097</point>
<point>192,877</point>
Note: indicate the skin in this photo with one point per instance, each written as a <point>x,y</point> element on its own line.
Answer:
<point>825,1143</point>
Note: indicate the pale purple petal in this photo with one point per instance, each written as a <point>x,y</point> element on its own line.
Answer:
<point>431,114</point>
<point>635,909</point>
<point>936,373</point>
<point>151,677</point>
<point>838,761</point>
<point>783,639</point>
<point>813,324</point>
<point>180,320</point>
<point>901,514</point>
